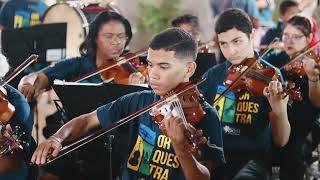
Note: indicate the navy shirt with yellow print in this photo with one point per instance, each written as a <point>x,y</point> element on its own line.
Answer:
<point>22,13</point>
<point>246,131</point>
<point>150,153</point>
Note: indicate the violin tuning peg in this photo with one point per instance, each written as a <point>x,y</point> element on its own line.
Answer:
<point>199,133</point>
<point>202,141</point>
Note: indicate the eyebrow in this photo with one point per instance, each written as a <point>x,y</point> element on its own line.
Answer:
<point>159,64</point>
<point>237,38</point>
<point>110,33</point>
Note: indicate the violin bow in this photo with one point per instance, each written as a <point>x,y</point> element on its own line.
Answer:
<point>20,68</point>
<point>303,53</point>
<point>77,144</point>
<point>120,60</point>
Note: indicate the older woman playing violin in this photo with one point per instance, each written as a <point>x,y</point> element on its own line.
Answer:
<point>302,71</point>
<point>152,154</point>
<point>109,34</point>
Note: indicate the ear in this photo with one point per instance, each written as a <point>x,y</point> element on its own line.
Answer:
<point>309,38</point>
<point>253,34</point>
<point>190,69</point>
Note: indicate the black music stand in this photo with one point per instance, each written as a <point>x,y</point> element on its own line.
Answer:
<point>19,44</point>
<point>204,62</point>
<point>80,99</point>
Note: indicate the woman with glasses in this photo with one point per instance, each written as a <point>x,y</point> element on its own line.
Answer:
<point>109,34</point>
<point>297,36</point>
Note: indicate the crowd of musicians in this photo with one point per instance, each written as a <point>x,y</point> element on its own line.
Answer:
<point>257,108</point>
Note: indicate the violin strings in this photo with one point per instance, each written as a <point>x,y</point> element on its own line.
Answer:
<point>177,104</point>
<point>260,76</point>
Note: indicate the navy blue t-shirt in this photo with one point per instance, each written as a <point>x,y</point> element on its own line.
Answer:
<point>21,13</point>
<point>72,69</point>
<point>246,130</point>
<point>23,118</point>
<point>150,153</point>
<point>301,114</point>
<point>275,32</point>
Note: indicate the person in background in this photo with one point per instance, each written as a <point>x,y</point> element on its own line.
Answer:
<point>266,8</point>
<point>251,124</point>
<point>23,120</point>
<point>188,23</point>
<point>108,36</point>
<point>287,10</point>
<point>297,36</point>
<point>21,13</point>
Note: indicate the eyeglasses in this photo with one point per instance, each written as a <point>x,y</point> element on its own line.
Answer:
<point>114,37</point>
<point>293,38</point>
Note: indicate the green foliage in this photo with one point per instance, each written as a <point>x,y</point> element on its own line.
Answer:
<point>155,19</point>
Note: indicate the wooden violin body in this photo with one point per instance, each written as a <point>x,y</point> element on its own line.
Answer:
<point>295,66</point>
<point>256,79</point>
<point>10,163</point>
<point>119,70</point>
<point>189,107</point>
<point>10,148</point>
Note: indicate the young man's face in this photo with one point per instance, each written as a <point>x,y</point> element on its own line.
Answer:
<point>291,11</point>
<point>236,45</point>
<point>166,71</point>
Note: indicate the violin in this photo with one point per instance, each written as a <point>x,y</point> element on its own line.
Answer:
<point>254,77</point>
<point>189,107</point>
<point>10,145</point>
<point>295,66</point>
<point>120,74</point>
<point>120,69</point>
<point>6,108</point>
<point>185,99</point>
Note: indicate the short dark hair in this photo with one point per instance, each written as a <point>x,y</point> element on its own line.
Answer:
<point>234,18</point>
<point>177,40</point>
<point>285,5</point>
<point>89,47</point>
<point>186,19</point>
<point>301,23</point>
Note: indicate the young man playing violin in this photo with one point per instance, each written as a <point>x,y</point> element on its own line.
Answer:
<point>297,37</point>
<point>153,154</point>
<point>16,165</point>
<point>250,123</point>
